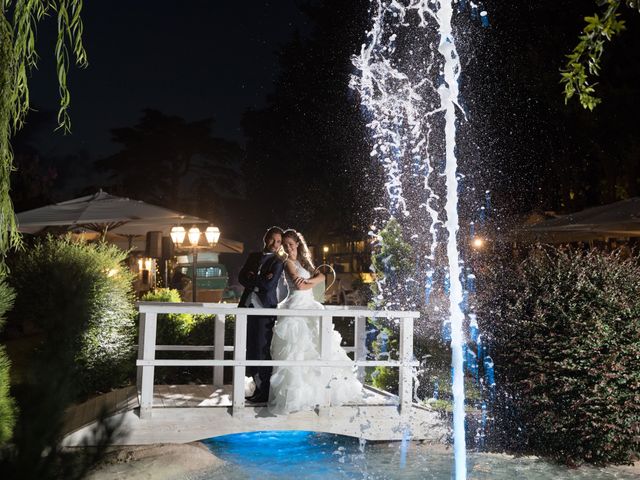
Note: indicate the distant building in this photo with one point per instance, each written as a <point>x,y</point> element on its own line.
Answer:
<point>350,257</point>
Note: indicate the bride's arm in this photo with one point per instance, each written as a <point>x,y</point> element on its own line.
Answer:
<point>299,282</point>
<point>290,269</point>
<point>311,282</point>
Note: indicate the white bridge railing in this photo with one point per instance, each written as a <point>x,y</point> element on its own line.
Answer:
<point>147,347</point>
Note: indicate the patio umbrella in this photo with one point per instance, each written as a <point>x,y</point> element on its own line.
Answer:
<point>620,218</point>
<point>103,212</point>
<point>111,216</point>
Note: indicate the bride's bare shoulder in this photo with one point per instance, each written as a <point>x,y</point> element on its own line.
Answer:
<point>290,266</point>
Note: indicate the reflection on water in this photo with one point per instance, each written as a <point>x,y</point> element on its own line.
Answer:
<point>308,455</point>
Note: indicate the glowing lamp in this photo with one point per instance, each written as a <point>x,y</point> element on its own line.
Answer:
<point>194,236</point>
<point>212,234</point>
<point>477,242</point>
<point>177,235</point>
<point>325,249</point>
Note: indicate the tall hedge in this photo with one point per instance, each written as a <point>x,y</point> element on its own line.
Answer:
<point>81,295</point>
<point>7,404</point>
<point>564,327</point>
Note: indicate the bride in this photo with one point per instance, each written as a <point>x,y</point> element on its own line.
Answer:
<point>298,338</point>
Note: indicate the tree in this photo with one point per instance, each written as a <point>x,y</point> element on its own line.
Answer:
<point>173,162</point>
<point>7,404</point>
<point>308,160</point>
<point>18,22</point>
<point>585,61</point>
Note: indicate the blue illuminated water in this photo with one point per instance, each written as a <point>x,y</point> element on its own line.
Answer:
<point>308,455</point>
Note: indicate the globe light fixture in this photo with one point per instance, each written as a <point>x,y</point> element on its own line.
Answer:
<point>477,243</point>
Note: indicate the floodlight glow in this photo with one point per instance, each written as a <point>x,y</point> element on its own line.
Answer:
<point>477,242</point>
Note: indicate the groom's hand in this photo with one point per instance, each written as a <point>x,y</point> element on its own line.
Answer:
<point>299,281</point>
<point>269,276</point>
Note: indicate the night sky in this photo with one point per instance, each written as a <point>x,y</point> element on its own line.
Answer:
<point>201,58</point>
<point>195,59</point>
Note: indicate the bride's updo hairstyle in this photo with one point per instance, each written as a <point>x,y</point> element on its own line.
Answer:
<point>304,256</point>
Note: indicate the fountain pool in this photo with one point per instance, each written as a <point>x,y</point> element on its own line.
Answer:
<point>309,455</point>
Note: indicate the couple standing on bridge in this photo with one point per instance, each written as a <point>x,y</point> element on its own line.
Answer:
<point>285,259</point>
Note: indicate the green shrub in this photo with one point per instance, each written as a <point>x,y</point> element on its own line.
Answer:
<point>385,378</point>
<point>7,404</point>
<point>173,328</point>
<point>565,333</point>
<point>81,296</point>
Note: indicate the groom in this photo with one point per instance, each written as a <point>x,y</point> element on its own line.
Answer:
<point>260,277</point>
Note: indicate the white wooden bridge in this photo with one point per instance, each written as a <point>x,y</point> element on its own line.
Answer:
<point>151,413</point>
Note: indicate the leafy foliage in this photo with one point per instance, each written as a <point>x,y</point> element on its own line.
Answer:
<point>84,290</point>
<point>585,60</point>
<point>7,404</point>
<point>185,329</point>
<point>392,262</point>
<point>18,21</point>
<point>385,378</point>
<point>80,297</point>
<point>173,328</point>
<point>565,333</point>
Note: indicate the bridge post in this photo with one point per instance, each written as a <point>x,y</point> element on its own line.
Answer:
<point>239,354</point>
<point>360,340</point>
<point>218,349</point>
<point>326,330</point>
<point>148,324</point>
<point>405,389</point>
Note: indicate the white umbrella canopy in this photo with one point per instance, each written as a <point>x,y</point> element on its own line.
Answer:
<point>102,212</point>
<point>615,219</point>
<point>122,221</point>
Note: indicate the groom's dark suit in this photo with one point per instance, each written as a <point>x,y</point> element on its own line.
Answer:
<point>259,277</point>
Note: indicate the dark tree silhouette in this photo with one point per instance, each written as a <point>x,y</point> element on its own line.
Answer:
<point>308,162</point>
<point>172,162</point>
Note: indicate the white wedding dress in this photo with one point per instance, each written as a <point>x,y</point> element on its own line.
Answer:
<point>297,338</point>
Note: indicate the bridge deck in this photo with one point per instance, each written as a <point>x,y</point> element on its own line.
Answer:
<point>186,413</point>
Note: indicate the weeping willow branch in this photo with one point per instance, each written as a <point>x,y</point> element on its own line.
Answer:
<point>584,62</point>
<point>9,236</point>
<point>18,25</point>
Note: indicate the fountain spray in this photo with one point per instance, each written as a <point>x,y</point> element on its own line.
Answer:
<point>408,84</point>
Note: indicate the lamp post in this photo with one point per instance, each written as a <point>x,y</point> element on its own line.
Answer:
<point>178,234</point>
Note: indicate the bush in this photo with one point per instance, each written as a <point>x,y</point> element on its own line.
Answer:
<point>7,404</point>
<point>81,296</point>
<point>173,328</point>
<point>565,329</point>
